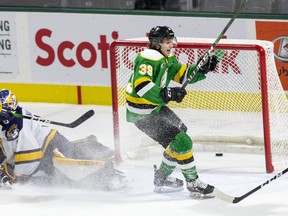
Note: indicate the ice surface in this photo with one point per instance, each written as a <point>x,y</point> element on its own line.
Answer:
<point>234,174</point>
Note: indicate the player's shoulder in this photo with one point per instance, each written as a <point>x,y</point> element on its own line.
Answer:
<point>23,111</point>
<point>151,54</point>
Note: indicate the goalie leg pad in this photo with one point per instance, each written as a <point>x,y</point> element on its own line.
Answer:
<point>92,174</point>
<point>90,148</point>
<point>118,181</point>
<point>76,169</point>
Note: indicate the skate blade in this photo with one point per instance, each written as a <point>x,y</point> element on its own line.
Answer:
<point>161,189</point>
<point>199,196</point>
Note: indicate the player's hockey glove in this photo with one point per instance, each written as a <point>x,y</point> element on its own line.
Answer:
<point>173,94</point>
<point>5,114</point>
<point>209,65</point>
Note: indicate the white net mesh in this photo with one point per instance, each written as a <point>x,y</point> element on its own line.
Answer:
<point>241,103</point>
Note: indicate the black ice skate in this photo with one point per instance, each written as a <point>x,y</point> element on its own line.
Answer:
<point>166,184</point>
<point>199,189</point>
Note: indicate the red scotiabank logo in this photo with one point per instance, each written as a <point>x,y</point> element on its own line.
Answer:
<point>77,50</point>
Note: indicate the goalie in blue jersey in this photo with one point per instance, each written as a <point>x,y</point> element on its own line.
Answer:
<point>29,148</point>
<point>147,95</point>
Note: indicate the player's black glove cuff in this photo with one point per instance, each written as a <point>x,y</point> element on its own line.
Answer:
<point>173,94</point>
<point>209,65</point>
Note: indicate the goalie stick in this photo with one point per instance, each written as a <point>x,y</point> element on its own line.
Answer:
<point>204,58</point>
<point>73,124</point>
<point>231,199</point>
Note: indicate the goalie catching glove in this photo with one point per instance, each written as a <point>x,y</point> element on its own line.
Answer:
<point>209,65</point>
<point>173,94</point>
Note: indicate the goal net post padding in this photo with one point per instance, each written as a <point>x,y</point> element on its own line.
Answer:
<point>241,104</point>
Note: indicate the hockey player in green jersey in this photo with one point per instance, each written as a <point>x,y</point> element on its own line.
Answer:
<point>147,95</point>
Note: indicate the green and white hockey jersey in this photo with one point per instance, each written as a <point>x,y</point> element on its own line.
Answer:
<point>152,72</point>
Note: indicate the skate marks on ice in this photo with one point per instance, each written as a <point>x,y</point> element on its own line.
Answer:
<point>138,197</point>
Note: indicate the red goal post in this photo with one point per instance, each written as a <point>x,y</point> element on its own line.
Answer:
<point>241,103</point>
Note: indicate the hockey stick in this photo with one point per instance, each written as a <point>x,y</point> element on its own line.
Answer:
<point>73,124</point>
<point>219,194</point>
<point>209,52</point>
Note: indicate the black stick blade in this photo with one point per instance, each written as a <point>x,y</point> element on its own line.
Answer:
<point>77,122</point>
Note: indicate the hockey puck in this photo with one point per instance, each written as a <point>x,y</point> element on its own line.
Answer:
<point>219,154</point>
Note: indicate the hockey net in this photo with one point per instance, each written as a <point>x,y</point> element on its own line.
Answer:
<point>241,103</point>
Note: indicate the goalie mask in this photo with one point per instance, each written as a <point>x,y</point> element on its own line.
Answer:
<point>8,99</point>
<point>159,33</point>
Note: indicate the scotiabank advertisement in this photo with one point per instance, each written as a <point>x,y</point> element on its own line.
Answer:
<point>71,48</point>
<point>277,32</point>
<point>8,47</point>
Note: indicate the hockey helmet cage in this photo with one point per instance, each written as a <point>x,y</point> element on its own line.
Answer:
<point>159,33</point>
<point>8,99</point>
